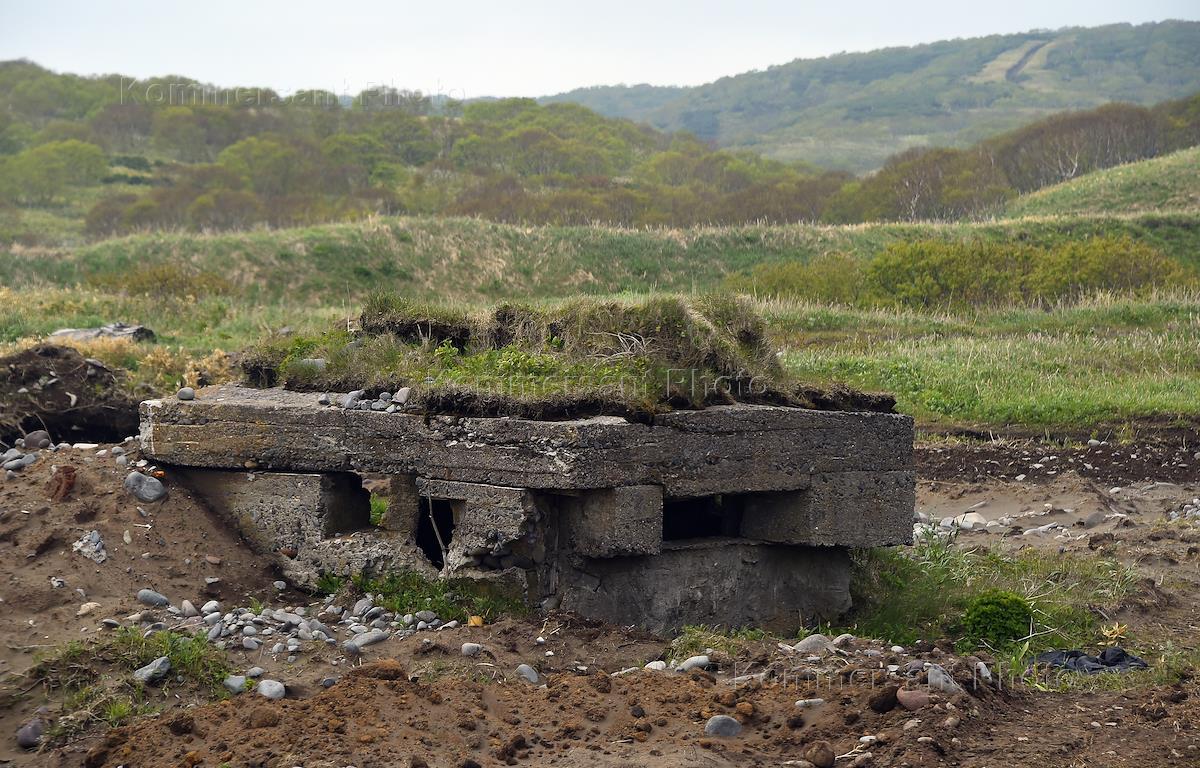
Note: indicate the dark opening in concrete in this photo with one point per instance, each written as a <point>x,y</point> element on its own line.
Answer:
<point>702,517</point>
<point>435,529</point>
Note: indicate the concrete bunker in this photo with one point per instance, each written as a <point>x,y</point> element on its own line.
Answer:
<point>732,515</point>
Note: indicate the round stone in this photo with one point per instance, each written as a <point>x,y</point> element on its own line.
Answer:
<point>186,393</point>
<point>723,726</point>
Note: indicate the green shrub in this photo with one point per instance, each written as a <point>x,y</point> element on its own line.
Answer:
<point>997,618</point>
<point>938,274</point>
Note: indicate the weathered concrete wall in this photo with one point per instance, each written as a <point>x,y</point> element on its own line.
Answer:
<point>495,522</point>
<point>282,510</point>
<point>727,449</point>
<point>847,509</point>
<point>730,582</point>
<point>613,522</point>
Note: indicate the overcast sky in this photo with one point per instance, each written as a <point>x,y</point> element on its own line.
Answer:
<point>516,48</point>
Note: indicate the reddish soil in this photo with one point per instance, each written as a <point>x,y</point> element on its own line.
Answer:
<point>418,701</point>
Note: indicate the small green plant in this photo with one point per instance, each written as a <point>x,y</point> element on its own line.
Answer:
<point>997,618</point>
<point>408,592</point>
<point>329,584</point>
<point>379,507</point>
<point>255,605</point>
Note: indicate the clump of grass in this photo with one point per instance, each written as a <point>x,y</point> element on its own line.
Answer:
<point>95,683</point>
<point>925,593</point>
<point>409,592</point>
<point>330,584</point>
<point>574,357</point>
<point>694,640</point>
<point>379,508</point>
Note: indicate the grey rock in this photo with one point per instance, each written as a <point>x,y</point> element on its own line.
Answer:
<point>528,672</point>
<point>362,606</point>
<point>401,396</point>
<point>255,672</point>
<point>280,585</point>
<point>814,643</point>
<point>349,400</point>
<point>471,649</point>
<point>251,643</point>
<point>426,616</point>
<point>91,546</point>
<point>215,631</point>
<point>151,598</point>
<point>37,440</point>
<point>187,609</point>
<point>29,735</point>
<point>154,671</point>
<point>328,682</point>
<point>723,726</point>
<point>940,680</point>
<point>235,684</point>
<point>695,662</point>
<point>212,606</point>
<point>355,646</point>
<point>186,393</point>
<point>249,630</point>
<point>144,488</point>
<point>323,399</point>
<point>271,689</point>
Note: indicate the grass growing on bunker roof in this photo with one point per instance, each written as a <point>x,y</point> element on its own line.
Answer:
<point>577,356</point>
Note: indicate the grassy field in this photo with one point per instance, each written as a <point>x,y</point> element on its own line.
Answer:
<point>475,260</point>
<point>1169,183</point>
<point>1103,363</point>
<point>1086,366</point>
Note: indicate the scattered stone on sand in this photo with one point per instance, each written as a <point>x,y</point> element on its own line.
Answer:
<point>154,671</point>
<point>271,689</point>
<point>723,726</point>
<point>145,488</point>
<point>151,598</point>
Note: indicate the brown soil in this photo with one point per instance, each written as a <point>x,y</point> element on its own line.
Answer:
<point>418,701</point>
<point>57,389</point>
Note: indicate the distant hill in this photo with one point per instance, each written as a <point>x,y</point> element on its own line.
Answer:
<point>1161,184</point>
<point>851,111</point>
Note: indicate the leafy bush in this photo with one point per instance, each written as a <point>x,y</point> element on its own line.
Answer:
<point>997,618</point>
<point>936,274</point>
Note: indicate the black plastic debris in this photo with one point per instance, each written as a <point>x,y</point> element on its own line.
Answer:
<point>1113,659</point>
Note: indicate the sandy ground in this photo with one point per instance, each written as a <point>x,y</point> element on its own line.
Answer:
<point>419,701</point>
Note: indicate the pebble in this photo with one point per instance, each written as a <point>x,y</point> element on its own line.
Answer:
<point>354,646</point>
<point>144,488</point>
<point>809,703</point>
<point>154,671</point>
<point>693,663</point>
<point>251,643</point>
<point>87,608</point>
<point>280,585</point>
<point>212,606</point>
<point>256,672</point>
<point>29,735</point>
<point>187,609</point>
<point>471,649</point>
<point>820,754</point>
<point>271,689</point>
<point>940,680</point>
<point>426,616</point>
<point>723,726</point>
<point>152,598</point>
<point>657,666</point>
<point>528,672</point>
<point>235,684</point>
<point>186,393</point>
<point>814,643</point>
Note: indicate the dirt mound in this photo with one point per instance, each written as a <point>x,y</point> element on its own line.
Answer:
<point>378,715</point>
<point>171,546</point>
<point>59,390</point>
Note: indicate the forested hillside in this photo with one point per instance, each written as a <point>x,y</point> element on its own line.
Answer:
<point>89,158</point>
<point>852,111</point>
